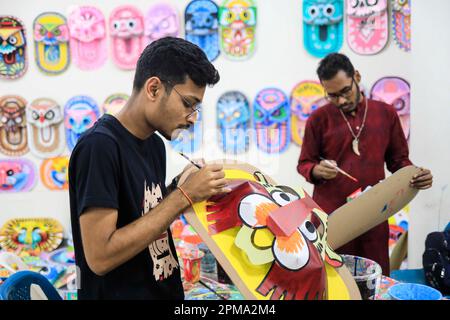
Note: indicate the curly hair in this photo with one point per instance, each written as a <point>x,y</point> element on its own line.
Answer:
<point>332,64</point>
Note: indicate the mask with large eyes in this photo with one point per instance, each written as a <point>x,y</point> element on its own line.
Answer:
<point>31,235</point>
<point>275,228</point>
<point>126,23</point>
<point>237,20</point>
<point>323,26</point>
<point>87,37</point>
<point>367,22</point>
<point>51,42</point>
<point>202,26</point>
<point>80,114</point>
<point>233,121</point>
<point>401,23</point>
<point>45,128</point>
<point>13,45</point>
<point>396,92</point>
<point>271,116</point>
<point>161,20</point>
<point>17,175</point>
<point>306,97</point>
<point>13,126</point>
<point>54,173</point>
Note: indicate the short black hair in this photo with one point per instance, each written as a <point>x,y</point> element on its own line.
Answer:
<point>173,59</point>
<point>332,64</point>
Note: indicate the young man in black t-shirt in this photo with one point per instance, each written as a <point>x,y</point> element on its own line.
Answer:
<point>120,208</point>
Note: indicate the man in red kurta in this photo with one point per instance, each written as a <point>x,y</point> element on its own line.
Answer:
<point>358,135</point>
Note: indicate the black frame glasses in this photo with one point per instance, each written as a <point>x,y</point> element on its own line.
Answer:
<point>196,107</point>
<point>345,93</point>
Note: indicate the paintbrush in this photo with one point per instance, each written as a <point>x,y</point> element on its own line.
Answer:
<point>339,169</point>
<point>187,158</point>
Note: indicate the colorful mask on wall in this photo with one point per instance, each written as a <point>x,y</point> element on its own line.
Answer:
<point>127,35</point>
<point>13,45</point>
<point>202,26</point>
<point>189,140</point>
<point>45,128</point>
<point>322,26</point>
<point>54,173</point>
<point>114,103</point>
<point>306,97</point>
<point>272,120</point>
<point>233,121</point>
<point>31,234</point>
<point>13,126</point>
<point>80,113</point>
<point>237,19</point>
<point>264,233</point>
<point>401,23</point>
<point>394,91</point>
<point>17,175</point>
<point>161,21</point>
<point>367,25</point>
<point>51,42</point>
<point>87,37</point>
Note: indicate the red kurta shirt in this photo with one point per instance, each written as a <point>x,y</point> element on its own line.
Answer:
<point>381,141</point>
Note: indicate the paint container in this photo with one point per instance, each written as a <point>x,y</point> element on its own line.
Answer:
<point>192,265</point>
<point>366,273</point>
<point>413,291</point>
<point>208,261</point>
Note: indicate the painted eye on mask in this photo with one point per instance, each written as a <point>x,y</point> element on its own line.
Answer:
<point>116,25</point>
<point>49,115</point>
<point>12,40</point>
<point>371,3</point>
<point>4,119</point>
<point>245,15</point>
<point>402,2</point>
<point>329,10</point>
<point>279,114</point>
<point>57,32</point>
<point>86,121</point>
<point>18,120</point>
<point>42,31</point>
<point>309,231</point>
<point>399,104</point>
<point>258,115</point>
<point>236,114</point>
<point>131,24</point>
<point>35,115</point>
<point>313,11</point>
<point>10,173</point>
<point>229,17</point>
<point>221,115</point>
<point>283,198</point>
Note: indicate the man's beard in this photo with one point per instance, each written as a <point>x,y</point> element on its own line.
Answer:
<point>354,105</point>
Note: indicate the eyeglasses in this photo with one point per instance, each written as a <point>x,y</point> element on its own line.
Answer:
<point>196,107</point>
<point>346,93</point>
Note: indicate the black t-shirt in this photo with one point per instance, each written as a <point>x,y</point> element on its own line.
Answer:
<point>111,168</point>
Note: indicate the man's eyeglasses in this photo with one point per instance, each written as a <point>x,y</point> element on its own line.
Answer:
<point>196,107</point>
<point>345,93</point>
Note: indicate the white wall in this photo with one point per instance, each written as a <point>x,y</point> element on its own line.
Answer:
<point>279,60</point>
<point>430,116</point>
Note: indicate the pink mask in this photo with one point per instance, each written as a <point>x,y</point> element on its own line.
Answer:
<point>162,20</point>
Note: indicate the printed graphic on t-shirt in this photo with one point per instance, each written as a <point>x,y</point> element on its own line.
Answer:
<point>163,260</point>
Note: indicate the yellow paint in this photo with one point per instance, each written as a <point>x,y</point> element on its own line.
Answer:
<point>250,274</point>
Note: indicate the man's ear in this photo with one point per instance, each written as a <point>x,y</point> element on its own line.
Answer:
<point>153,87</point>
<point>357,76</point>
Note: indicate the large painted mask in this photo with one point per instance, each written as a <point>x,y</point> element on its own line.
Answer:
<point>189,140</point>
<point>13,46</point>
<point>13,126</point>
<point>367,25</point>
<point>54,173</point>
<point>114,103</point>
<point>45,128</point>
<point>306,97</point>
<point>202,26</point>
<point>237,20</point>
<point>323,26</point>
<point>17,175</point>
<point>80,113</point>
<point>401,23</point>
<point>87,37</point>
<point>271,117</point>
<point>394,91</point>
<point>233,122</point>
<point>51,42</point>
<point>33,235</point>
<point>127,36</point>
<point>161,21</point>
<point>263,233</point>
